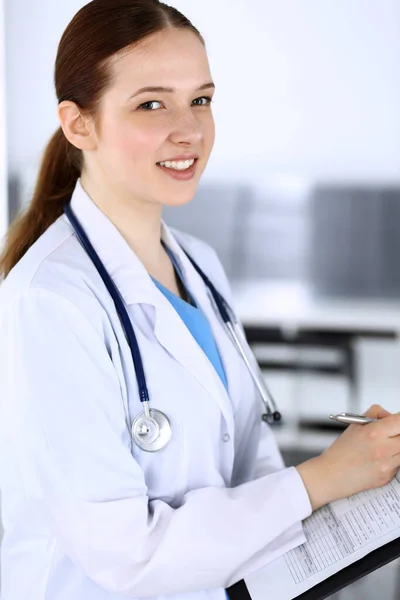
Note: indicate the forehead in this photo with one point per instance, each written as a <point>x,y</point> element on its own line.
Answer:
<point>173,57</point>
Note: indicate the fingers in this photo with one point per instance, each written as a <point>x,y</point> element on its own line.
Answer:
<point>377,412</point>
<point>387,474</point>
<point>395,463</point>
<point>387,461</point>
<point>385,427</point>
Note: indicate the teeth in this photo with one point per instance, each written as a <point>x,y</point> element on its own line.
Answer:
<point>180,165</point>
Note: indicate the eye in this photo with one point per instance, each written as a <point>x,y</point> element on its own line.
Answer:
<point>149,105</point>
<point>202,101</point>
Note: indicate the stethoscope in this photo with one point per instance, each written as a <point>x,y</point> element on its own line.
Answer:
<point>151,429</point>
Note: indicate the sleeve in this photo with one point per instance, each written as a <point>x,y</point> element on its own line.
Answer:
<point>62,406</point>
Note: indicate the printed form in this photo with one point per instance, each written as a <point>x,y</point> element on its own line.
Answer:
<point>337,535</point>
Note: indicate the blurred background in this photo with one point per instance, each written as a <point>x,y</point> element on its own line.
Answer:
<point>301,198</point>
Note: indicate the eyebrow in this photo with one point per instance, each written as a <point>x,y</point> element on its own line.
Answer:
<point>159,89</point>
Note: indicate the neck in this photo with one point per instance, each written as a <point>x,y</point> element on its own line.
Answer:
<point>138,221</point>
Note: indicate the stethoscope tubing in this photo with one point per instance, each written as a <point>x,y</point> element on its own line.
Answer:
<point>221,305</point>
<point>225,312</point>
<point>266,396</point>
<point>119,305</point>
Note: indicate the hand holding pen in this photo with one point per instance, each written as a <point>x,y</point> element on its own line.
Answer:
<point>361,458</point>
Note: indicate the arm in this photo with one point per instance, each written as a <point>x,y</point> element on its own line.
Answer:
<point>63,408</point>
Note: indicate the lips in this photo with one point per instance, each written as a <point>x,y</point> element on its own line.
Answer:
<point>178,175</point>
<point>179,158</point>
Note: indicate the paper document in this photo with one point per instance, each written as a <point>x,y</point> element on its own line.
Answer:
<point>337,535</point>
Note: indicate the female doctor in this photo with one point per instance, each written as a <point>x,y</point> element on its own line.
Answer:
<point>107,495</point>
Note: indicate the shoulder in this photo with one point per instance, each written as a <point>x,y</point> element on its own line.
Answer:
<point>207,259</point>
<point>55,269</point>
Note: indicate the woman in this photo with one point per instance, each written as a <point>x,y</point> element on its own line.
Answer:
<point>88,514</point>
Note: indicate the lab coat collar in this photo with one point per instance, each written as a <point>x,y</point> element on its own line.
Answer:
<point>118,258</point>
<point>136,287</point>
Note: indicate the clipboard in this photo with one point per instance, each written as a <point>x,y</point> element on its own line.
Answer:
<point>369,563</point>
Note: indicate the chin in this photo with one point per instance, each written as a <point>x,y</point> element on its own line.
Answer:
<point>180,198</point>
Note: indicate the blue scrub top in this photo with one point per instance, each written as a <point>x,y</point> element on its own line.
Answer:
<point>199,327</point>
<point>194,319</point>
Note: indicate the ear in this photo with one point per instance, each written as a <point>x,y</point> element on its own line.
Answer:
<point>78,129</point>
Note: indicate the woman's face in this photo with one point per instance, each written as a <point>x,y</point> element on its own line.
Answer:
<point>140,128</point>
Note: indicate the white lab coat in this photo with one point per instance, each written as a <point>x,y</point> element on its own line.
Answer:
<point>87,515</point>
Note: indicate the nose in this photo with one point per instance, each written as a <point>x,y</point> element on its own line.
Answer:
<point>186,129</point>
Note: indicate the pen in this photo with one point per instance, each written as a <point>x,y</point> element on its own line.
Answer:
<point>349,418</point>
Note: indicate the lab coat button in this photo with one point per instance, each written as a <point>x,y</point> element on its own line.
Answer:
<point>226,437</point>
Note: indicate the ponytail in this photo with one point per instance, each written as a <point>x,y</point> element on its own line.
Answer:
<point>58,174</point>
<point>98,32</point>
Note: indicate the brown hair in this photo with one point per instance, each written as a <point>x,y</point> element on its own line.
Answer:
<point>98,31</point>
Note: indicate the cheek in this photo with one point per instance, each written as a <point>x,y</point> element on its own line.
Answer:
<point>209,133</point>
<point>134,142</point>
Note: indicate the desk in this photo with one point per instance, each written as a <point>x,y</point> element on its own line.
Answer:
<point>290,314</point>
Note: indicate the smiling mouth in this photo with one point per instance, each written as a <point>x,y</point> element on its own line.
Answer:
<point>180,170</point>
<point>178,165</point>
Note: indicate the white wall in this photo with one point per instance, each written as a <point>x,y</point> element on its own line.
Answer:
<point>308,87</point>
<point>3,162</point>
<point>33,30</point>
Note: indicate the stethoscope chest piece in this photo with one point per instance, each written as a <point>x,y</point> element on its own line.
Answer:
<point>152,431</point>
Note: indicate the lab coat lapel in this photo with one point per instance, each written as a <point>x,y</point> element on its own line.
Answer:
<point>197,362</point>
<point>137,287</point>
<point>174,336</point>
